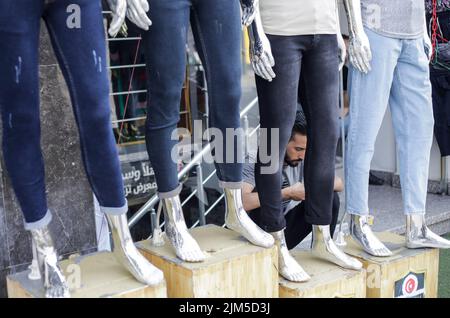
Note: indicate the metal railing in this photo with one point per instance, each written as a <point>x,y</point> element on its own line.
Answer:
<point>195,162</point>
<point>149,206</point>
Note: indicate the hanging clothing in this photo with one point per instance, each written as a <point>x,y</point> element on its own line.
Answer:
<point>440,77</point>
<point>442,5</point>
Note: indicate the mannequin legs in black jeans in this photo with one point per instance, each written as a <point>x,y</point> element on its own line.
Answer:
<point>297,229</point>
<point>307,67</point>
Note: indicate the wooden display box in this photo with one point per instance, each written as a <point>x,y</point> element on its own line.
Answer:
<point>408,273</point>
<point>233,267</point>
<point>327,280</point>
<point>91,276</point>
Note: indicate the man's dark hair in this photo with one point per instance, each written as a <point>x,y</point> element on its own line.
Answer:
<point>300,126</point>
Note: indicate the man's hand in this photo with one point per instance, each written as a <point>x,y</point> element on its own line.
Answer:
<point>137,13</point>
<point>119,9</point>
<point>249,8</point>
<point>338,184</point>
<point>297,192</point>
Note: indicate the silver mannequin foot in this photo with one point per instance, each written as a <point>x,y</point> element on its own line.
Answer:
<point>237,219</point>
<point>362,233</point>
<point>186,248</point>
<point>418,235</point>
<point>287,265</point>
<point>324,247</point>
<point>54,282</point>
<point>127,254</point>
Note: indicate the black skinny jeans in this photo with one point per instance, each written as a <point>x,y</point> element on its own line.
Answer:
<point>306,68</point>
<point>297,228</point>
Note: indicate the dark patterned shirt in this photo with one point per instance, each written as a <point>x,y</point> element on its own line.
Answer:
<point>442,5</point>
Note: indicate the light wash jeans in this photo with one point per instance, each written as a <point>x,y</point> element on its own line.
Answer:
<point>400,79</point>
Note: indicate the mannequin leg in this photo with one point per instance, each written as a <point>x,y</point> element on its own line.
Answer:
<point>165,51</point>
<point>369,97</point>
<point>19,105</point>
<point>82,56</point>
<point>19,102</point>
<point>298,229</point>
<point>186,248</point>
<point>277,107</point>
<point>54,281</point>
<point>287,265</point>
<point>216,26</point>
<point>165,54</point>
<point>319,93</point>
<point>412,115</point>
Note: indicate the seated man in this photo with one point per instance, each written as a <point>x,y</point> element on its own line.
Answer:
<point>293,191</point>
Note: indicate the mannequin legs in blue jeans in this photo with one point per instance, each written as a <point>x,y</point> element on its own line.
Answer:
<point>216,25</point>
<point>81,54</point>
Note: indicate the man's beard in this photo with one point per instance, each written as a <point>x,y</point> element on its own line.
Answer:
<point>292,163</point>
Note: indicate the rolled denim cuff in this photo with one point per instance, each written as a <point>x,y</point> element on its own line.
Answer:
<point>171,194</point>
<point>230,185</point>
<point>115,210</point>
<point>39,224</point>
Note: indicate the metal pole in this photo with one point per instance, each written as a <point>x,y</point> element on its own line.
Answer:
<point>444,177</point>
<point>200,194</point>
<point>340,239</point>
<point>247,137</point>
<point>154,222</point>
<point>206,115</point>
<point>153,200</point>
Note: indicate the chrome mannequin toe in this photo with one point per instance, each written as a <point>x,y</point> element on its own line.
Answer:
<point>418,235</point>
<point>186,248</point>
<point>128,255</point>
<point>237,219</point>
<point>324,247</point>
<point>288,267</point>
<point>361,231</point>
<point>54,281</point>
